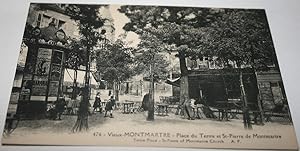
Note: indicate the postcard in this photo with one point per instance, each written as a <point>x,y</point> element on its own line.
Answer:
<point>148,76</point>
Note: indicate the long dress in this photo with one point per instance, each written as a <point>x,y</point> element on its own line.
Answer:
<point>145,102</point>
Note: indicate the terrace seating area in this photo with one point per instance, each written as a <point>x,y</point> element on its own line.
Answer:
<point>220,111</point>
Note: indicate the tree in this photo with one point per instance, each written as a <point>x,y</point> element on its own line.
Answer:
<point>243,36</point>
<point>114,63</point>
<point>74,59</point>
<point>89,22</point>
<point>182,29</point>
<point>237,35</point>
<point>152,64</point>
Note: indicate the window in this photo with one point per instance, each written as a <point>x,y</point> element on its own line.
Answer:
<point>55,21</point>
<point>273,84</point>
<point>62,6</point>
<point>45,20</point>
<point>39,19</point>
<point>60,24</point>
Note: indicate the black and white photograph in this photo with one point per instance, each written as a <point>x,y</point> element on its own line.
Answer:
<point>148,76</point>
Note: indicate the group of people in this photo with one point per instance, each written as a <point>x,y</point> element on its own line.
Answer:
<point>187,109</point>
<point>109,106</point>
<point>56,109</point>
<point>189,106</point>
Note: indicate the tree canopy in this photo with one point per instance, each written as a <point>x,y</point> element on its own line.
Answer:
<point>240,35</point>
<point>114,62</point>
<point>244,38</point>
<point>75,57</point>
<point>89,22</point>
<point>148,52</point>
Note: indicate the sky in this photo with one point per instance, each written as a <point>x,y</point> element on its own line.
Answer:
<point>119,21</point>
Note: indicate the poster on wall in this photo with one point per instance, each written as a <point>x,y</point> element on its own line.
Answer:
<point>209,56</point>
<point>53,88</point>
<point>42,67</point>
<point>55,72</point>
<point>44,53</point>
<point>57,57</point>
<point>43,62</point>
<point>39,86</point>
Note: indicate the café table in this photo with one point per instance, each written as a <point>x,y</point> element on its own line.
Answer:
<point>162,109</point>
<point>127,106</point>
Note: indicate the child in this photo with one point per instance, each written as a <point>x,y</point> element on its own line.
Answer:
<point>110,106</point>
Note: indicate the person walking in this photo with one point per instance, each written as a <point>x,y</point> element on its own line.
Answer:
<point>110,106</point>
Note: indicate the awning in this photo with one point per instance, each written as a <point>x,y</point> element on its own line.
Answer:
<point>69,77</point>
<point>174,82</point>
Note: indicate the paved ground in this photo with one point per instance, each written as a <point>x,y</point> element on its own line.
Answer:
<point>136,120</point>
<point>58,132</point>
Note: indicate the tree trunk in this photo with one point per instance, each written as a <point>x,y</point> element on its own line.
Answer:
<point>246,116</point>
<point>127,88</point>
<point>117,86</point>
<point>184,80</point>
<point>151,95</point>
<point>74,93</point>
<point>141,85</point>
<point>82,118</point>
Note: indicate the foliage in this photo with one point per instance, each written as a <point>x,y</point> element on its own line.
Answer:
<point>75,57</point>
<point>89,22</point>
<point>240,35</point>
<point>149,50</point>
<point>114,62</point>
<point>243,36</point>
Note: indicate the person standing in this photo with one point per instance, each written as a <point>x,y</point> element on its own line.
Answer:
<point>145,102</point>
<point>70,110</point>
<point>110,106</point>
<point>60,106</point>
<point>97,103</point>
